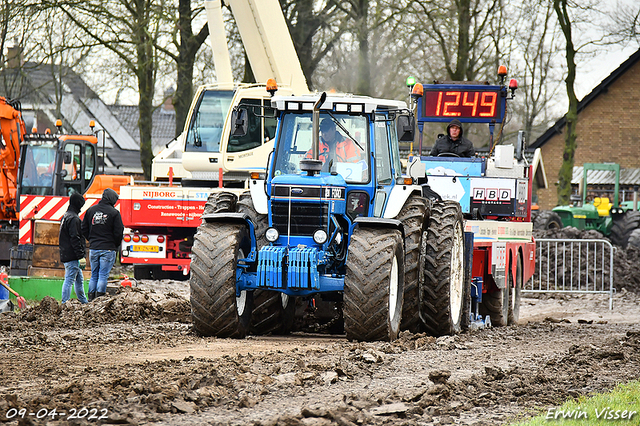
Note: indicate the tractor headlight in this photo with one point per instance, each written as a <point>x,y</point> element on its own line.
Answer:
<point>320,236</point>
<point>271,234</point>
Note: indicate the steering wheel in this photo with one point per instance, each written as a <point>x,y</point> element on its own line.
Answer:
<point>448,154</point>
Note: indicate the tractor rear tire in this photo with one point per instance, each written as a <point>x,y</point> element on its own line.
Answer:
<point>273,313</point>
<point>219,202</point>
<point>623,226</point>
<point>414,217</point>
<point>215,309</point>
<point>634,238</point>
<point>496,305</point>
<point>442,291</point>
<point>374,285</point>
<point>547,219</point>
<point>515,291</point>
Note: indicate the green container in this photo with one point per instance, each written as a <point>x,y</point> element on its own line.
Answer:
<point>36,288</point>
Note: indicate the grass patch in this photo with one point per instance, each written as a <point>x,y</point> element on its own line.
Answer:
<point>620,406</point>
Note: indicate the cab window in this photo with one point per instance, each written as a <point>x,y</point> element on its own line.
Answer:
<point>253,138</point>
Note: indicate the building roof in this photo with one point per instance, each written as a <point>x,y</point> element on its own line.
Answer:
<point>164,124</point>
<point>599,89</point>
<point>629,176</point>
<point>41,87</point>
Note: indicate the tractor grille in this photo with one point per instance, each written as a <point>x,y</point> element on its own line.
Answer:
<point>305,217</point>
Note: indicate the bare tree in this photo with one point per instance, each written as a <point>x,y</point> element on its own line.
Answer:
<point>131,30</point>
<point>535,55</point>
<point>566,170</point>
<point>461,32</point>
<point>187,44</point>
<point>314,32</point>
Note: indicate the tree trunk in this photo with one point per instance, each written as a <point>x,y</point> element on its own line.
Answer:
<point>464,23</point>
<point>187,51</point>
<point>146,84</point>
<point>363,86</point>
<point>566,170</point>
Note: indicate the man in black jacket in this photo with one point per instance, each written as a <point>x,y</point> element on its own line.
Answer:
<point>72,249</point>
<point>102,226</point>
<point>453,142</point>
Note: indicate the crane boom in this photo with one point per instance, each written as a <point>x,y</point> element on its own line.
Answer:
<point>218,39</point>
<point>268,43</point>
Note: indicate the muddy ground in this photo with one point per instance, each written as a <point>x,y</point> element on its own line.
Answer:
<point>133,359</point>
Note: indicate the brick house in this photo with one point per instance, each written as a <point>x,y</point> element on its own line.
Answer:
<point>608,128</point>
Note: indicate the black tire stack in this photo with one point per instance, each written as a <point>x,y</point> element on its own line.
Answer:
<point>20,259</point>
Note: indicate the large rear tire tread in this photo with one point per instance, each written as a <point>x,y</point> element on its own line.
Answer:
<point>634,238</point>
<point>547,219</point>
<point>220,202</point>
<point>213,281</point>
<point>268,316</point>
<point>623,226</point>
<point>368,283</point>
<point>414,217</point>
<point>443,247</point>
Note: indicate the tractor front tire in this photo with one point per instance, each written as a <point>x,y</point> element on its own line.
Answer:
<point>442,291</point>
<point>215,309</point>
<point>414,217</point>
<point>374,285</point>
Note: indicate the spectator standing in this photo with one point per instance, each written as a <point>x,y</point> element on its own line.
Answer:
<point>72,249</point>
<point>102,226</point>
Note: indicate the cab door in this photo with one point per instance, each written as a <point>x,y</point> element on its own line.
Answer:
<point>384,171</point>
<point>78,166</point>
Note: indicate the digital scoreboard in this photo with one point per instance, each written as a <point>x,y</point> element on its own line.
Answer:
<point>468,104</point>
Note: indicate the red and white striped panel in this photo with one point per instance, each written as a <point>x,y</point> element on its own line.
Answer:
<point>36,207</point>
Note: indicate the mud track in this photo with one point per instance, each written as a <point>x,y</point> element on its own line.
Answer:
<point>134,357</point>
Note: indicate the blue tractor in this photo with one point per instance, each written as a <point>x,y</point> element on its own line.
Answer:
<point>339,224</point>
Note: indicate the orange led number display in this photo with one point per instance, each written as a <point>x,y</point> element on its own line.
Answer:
<point>461,103</point>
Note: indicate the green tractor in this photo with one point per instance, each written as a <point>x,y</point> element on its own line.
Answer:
<point>617,221</point>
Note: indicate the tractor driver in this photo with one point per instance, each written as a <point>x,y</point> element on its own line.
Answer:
<point>334,146</point>
<point>453,143</point>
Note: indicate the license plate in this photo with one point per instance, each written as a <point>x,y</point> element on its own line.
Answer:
<point>152,249</point>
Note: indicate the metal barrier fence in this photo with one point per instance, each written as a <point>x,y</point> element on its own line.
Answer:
<point>573,266</point>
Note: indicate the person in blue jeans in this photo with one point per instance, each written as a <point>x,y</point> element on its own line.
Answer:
<point>102,226</point>
<point>72,249</point>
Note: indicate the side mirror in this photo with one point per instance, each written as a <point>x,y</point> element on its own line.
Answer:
<point>239,122</point>
<point>67,157</point>
<point>406,125</point>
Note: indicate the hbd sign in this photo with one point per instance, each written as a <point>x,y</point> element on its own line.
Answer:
<point>493,196</point>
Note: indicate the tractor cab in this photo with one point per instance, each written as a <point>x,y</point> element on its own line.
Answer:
<point>336,160</point>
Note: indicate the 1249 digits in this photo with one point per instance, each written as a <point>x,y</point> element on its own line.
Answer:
<point>73,413</point>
